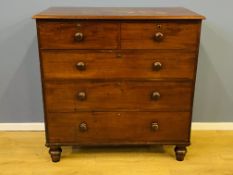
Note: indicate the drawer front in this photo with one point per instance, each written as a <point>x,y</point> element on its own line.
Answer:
<point>107,96</point>
<point>78,35</point>
<point>117,64</point>
<point>161,35</point>
<point>118,127</point>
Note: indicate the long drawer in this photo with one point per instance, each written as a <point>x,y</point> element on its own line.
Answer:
<point>86,128</point>
<point>117,64</point>
<point>70,96</point>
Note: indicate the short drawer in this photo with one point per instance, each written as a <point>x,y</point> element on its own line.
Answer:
<point>107,96</point>
<point>160,35</point>
<point>78,35</point>
<point>86,128</point>
<point>118,64</point>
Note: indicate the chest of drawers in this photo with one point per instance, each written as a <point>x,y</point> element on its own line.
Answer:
<point>118,76</point>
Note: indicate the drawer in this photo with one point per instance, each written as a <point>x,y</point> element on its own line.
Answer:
<point>107,96</point>
<point>118,64</point>
<point>78,35</point>
<point>118,127</point>
<point>160,35</point>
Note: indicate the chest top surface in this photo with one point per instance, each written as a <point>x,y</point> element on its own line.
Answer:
<point>118,13</point>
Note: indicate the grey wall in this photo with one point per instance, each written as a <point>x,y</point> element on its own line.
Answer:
<point>20,91</point>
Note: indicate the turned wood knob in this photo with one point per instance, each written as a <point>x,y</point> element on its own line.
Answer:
<point>81,66</point>
<point>82,96</point>
<point>155,126</point>
<point>158,36</point>
<point>78,36</point>
<point>157,66</point>
<point>83,127</point>
<point>155,95</point>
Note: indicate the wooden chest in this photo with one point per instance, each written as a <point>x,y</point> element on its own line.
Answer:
<point>118,76</point>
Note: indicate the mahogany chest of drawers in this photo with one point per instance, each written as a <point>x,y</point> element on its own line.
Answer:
<point>118,76</point>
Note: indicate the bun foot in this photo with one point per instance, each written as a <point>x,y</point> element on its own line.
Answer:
<point>55,153</point>
<point>180,152</point>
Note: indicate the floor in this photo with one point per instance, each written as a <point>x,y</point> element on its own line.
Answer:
<point>24,153</point>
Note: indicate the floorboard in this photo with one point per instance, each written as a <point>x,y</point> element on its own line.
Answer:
<point>24,153</point>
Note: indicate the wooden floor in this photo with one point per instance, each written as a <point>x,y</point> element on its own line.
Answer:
<point>24,153</point>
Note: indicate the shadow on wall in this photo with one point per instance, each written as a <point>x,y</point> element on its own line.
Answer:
<point>212,102</point>
<point>21,97</point>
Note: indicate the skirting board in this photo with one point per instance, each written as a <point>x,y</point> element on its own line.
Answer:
<point>40,126</point>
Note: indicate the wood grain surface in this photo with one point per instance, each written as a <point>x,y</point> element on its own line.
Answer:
<point>176,35</point>
<point>61,35</point>
<point>105,96</point>
<point>211,153</point>
<point>118,13</point>
<point>108,128</point>
<point>118,64</point>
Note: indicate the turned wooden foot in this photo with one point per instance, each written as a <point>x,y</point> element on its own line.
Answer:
<point>55,153</point>
<point>180,152</point>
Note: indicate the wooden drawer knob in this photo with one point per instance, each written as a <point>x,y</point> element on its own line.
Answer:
<point>158,36</point>
<point>78,36</point>
<point>155,96</point>
<point>81,66</point>
<point>157,66</point>
<point>154,126</point>
<point>83,127</point>
<point>82,96</point>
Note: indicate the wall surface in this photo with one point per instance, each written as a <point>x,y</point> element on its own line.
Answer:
<point>20,87</point>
